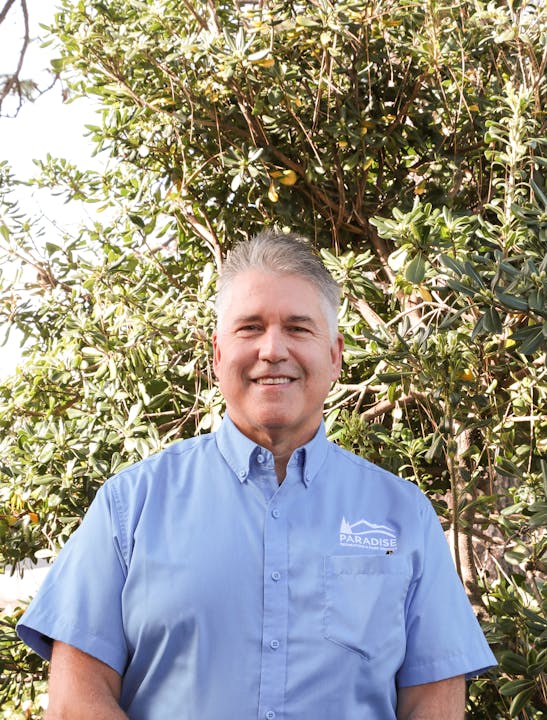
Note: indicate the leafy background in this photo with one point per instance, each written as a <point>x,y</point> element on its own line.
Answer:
<point>407,141</point>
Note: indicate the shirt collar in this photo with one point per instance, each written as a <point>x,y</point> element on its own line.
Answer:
<point>237,449</point>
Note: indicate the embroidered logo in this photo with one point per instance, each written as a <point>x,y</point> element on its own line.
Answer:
<point>368,536</point>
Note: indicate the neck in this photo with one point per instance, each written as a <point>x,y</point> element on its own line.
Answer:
<point>281,467</point>
<point>281,445</point>
<point>281,449</point>
<point>279,441</point>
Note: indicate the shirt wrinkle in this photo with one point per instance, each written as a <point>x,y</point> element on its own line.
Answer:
<point>123,541</point>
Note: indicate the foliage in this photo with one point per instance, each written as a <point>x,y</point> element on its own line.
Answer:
<point>407,141</point>
<point>22,675</point>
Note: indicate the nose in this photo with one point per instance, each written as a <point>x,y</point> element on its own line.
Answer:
<point>273,345</point>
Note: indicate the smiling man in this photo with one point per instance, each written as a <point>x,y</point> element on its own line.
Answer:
<point>260,572</point>
<point>276,356</point>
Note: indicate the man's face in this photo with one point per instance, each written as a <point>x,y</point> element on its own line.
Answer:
<point>274,357</point>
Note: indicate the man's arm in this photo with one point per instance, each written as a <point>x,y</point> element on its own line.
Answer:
<point>80,686</point>
<point>443,700</point>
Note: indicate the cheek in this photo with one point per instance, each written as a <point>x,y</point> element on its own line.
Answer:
<point>230,365</point>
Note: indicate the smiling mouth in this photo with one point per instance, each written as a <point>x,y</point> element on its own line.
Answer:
<point>273,380</point>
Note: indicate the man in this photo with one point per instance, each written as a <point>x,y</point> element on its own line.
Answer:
<point>260,571</point>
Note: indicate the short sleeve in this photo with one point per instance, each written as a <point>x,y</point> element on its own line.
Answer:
<point>444,638</point>
<point>80,600</point>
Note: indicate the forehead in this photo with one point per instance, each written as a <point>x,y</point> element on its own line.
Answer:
<point>262,292</point>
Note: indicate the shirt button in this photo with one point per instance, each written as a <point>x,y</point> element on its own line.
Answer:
<point>276,575</point>
<point>274,644</point>
<point>275,513</point>
<point>242,474</point>
<point>260,458</point>
<point>270,715</point>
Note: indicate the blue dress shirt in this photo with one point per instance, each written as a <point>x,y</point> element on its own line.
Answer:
<point>217,594</point>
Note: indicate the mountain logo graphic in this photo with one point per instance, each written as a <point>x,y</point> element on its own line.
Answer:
<point>367,535</point>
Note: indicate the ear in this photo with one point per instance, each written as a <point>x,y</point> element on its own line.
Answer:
<point>337,348</point>
<point>216,353</point>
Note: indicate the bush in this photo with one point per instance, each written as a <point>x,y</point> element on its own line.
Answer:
<point>407,141</point>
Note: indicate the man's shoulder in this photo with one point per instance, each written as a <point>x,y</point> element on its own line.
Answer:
<point>361,464</point>
<point>167,461</point>
<point>179,448</point>
<point>362,469</point>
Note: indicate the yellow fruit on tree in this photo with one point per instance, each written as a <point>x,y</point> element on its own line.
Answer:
<point>272,193</point>
<point>288,177</point>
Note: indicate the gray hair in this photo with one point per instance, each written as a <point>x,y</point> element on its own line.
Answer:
<point>282,254</point>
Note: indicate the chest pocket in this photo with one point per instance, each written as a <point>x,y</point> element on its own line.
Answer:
<point>364,601</point>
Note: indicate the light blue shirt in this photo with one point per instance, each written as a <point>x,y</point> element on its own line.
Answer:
<point>217,594</point>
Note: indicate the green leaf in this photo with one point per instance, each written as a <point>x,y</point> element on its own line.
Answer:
<point>134,412</point>
<point>536,301</point>
<point>520,701</point>
<point>308,22</point>
<point>415,270</point>
<point>259,55</point>
<point>435,446</point>
<point>452,319</point>
<point>511,301</point>
<point>513,663</point>
<point>473,274</point>
<point>530,339</point>
<point>515,686</point>
<point>491,321</point>
<point>454,265</point>
<point>137,220</point>
<point>59,64</point>
<point>539,515</point>
<point>460,287</point>
<point>392,377</point>
<point>393,391</point>
<point>507,467</point>
<point>539,192</point>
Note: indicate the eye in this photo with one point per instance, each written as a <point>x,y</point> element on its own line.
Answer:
<point>247,329</point>
<point>298,329</point>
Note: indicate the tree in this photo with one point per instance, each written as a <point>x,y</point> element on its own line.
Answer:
<point>408,142</point>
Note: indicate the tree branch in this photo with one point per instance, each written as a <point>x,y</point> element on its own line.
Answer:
<point>385,406</point>
<point>5,10</point>
<point>13,82</point>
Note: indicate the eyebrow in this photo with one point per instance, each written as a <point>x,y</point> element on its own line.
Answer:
<point>246,318</point>
<point>306,319</point>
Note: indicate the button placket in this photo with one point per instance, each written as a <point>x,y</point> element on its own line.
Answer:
<point>275,618</point>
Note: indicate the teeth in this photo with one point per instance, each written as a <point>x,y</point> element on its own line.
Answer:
<point>273,380</point>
